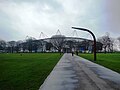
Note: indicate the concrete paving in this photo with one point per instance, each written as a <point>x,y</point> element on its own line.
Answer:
<point>76,73</point>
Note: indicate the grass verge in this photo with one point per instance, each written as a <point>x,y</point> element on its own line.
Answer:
<point>26,72</point>
<point>109,60</point>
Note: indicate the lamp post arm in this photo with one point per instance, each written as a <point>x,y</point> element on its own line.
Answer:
<point>93,38</point>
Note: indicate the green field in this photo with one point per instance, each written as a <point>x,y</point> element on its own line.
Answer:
<point>109,60</point>
<point>26,72</point>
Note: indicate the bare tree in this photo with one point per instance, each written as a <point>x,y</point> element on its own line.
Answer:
<point>11,46</point>
<point>2,45</point>
<point>107,42</point>
<point>29,44</point>
<point>18,46</point>
<point>119,41</point>
<point>35,45</point>
<point>58,41</point>
<point>48,46</point>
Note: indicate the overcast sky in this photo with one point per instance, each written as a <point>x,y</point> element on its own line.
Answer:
<point>19,18</point>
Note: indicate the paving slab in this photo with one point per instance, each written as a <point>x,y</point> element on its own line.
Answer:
<point>76,73</point>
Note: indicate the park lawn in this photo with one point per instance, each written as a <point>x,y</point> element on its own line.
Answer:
<point>26,72</point>
<point>109,60</point>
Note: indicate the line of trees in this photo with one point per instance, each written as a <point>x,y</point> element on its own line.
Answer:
<point>108,43</point>
<point>32,45</point>
<point>57,41</point>
<point>29,45</point>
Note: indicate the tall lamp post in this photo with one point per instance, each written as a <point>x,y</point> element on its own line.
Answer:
<point>83,29</point>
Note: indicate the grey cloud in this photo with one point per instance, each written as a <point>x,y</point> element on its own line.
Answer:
<point>30,17</point>
<point>113,15</point>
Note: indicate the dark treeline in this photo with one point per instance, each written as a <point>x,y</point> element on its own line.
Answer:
<point>57,44</point>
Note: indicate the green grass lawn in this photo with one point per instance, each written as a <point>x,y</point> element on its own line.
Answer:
<point>26,72</point>
<point>109,60</point>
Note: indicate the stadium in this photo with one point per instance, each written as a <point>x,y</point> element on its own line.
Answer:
<point>59,43</point>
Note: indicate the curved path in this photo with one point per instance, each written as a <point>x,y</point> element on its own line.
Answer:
<point>76,73</point>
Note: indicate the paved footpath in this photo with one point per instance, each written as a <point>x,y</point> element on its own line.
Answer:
<point>76,73</point>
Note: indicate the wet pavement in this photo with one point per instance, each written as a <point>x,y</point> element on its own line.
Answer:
<point>76,73</point>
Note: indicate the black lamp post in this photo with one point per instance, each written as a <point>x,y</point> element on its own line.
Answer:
<point>83,29</point>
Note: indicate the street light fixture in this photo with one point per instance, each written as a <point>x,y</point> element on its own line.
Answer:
<point>83,29</point>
